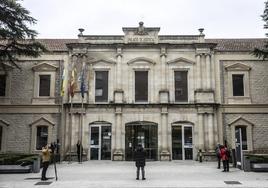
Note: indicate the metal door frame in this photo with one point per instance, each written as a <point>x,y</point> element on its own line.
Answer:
<point>100,143</point>
<point>182,138</point>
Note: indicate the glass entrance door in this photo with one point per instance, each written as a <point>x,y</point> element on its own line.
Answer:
<point>143,133</point>
<point>100,142</point>
<point>182,142</point>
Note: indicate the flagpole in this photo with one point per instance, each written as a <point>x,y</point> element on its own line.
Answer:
<point>81,130</point>
<point>70,131</point>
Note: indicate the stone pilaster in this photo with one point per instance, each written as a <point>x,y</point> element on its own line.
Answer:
<point>201,132</point>
<point>118,154</point>
<point>163,93</point>
<point>198,71</point>
<point>119,93</point>
<point>211,143</point>
<point>208,72</point>
<point>164,154</point>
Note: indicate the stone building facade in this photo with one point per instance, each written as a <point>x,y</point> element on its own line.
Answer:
<point>175,95</point>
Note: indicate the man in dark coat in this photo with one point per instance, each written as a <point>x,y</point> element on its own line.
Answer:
<point>139,157</point>
<point>79,149</point>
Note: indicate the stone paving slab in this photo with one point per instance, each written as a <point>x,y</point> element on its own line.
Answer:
<point>112,174</point>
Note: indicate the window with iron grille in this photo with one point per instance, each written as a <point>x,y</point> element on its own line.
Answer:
<point>2,85</point>
<point>238,84</point>
<point>181,86</point>
<point>141,86</point>
<point>101,86</point>
<point>44,85</point>
<point>41,137</point>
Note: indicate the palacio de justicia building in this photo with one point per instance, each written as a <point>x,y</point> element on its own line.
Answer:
<point>174,94</point>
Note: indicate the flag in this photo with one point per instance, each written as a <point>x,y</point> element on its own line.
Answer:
<point>82,86</point>
<point>72,82</point>
<point>63,82</point>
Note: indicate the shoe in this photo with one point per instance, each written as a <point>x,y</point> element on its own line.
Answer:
<point>44,179</point>
<point>224,171</point>
<point>137,178</point>
<point>143,178</point>
<point>219,168</point>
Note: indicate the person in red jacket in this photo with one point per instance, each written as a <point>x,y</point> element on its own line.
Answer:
<point>225,158</point>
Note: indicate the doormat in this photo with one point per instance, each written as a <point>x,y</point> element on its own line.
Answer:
<point>232,182</point>
<point>43,183</point>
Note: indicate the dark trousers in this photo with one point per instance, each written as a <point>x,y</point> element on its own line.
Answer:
<point>142,171</point>
<point>79,157</point>
<point>219,162</point>
<point>44,170</point>
<point>226,165</point>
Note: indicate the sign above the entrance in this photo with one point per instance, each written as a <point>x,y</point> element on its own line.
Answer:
<point>141,34</point>
<point>140,39</point>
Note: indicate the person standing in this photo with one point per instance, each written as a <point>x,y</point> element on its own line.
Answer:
<point>225,158</point>
<point>218,155</point>
<point>46,152</point>
<point>79,150</point>
<point>139,157</point>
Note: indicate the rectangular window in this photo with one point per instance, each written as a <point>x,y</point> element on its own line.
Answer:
<point>141,86</point>
<point>101,86</point>
<point>44,85</point>
<point>41,137</point>
<point>2,85</point>
<point>1,137</point>
<point>181,86</point>
<point>238,85</point>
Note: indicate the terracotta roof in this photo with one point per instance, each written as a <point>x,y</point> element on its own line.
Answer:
<point>227,45</point>
<point>56,44</point>
<point>238,44</point>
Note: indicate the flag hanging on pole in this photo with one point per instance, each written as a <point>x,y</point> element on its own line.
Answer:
<point>72,82</point>
<point>63,82</point>
<point>82,86</point>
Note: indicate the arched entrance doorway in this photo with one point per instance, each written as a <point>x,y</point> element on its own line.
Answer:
<point>100,139</point>
<point>182,141</point>
<point>144,133</point>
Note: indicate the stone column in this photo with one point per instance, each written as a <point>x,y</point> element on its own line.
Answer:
<point>163,56</point>
<point>164,155</point>
<point>198,72</point>
<point>200,132</point>
<point>163,93</point>
<point>211,143</point>
<point>213,76</point>
<point>208,72</point>
<point>119,69</point>
<point>119,93</point>
<point>118,154</point>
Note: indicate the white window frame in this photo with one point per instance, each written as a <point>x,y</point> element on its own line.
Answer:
<point>6,99</point>
<point>238,69</point>
<point>4,126</point>
<point>44,69</point>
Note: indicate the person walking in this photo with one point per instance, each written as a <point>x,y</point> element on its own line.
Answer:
<point>218,155</point>
<point>139,157</point>
<point>79,149</point>
<point>46,152</point>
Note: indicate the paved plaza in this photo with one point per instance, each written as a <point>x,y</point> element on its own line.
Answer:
<point>102,174</point>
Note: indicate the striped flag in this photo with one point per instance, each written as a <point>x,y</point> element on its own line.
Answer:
<point>72,82</point>
<point>82,86</point>
<point>63,82</point>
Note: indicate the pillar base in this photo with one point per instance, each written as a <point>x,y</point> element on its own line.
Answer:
<point>164,155</point>
<point>118,155</point>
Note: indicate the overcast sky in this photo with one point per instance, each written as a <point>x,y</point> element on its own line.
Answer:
<point>219,18</point>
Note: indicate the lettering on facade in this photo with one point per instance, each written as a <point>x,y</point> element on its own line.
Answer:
<point>140,39</point>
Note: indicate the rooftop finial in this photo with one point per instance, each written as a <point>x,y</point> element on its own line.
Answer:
<point>201,31</point>
<point>81,30</point>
